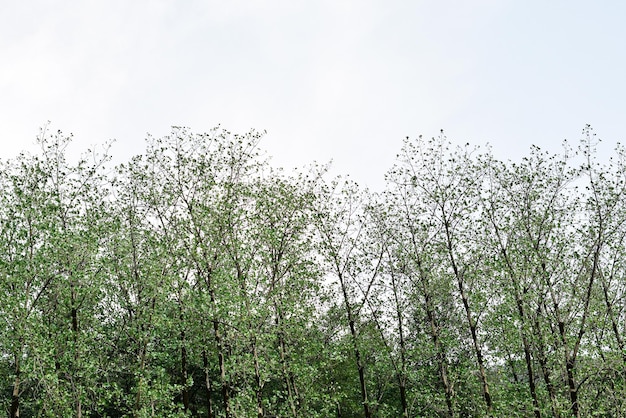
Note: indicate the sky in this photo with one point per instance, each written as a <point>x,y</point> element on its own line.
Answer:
<point>336,80</point>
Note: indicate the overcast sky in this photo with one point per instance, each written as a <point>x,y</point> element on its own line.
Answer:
<point>341,80</point>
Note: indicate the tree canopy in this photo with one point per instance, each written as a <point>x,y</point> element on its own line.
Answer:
<point>197,280</point>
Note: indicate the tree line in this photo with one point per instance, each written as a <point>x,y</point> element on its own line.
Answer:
<point>197,280</point>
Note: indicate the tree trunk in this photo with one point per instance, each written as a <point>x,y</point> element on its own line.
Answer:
<point>361,368</point>
<point>522,316</point>
<point>259,382</point>
<point>543,363</point>
<point>357,353</point>
<point>222,365</point>
<point>401,372</point>
<point>207,385</point>
<point>531,376</point>
<point>142,357</point>
<point>439,349</point>
<point>614,325</point>
<point>470,321</point>
<point>79,405</point>
<point>441,362</point>
<point>287,376</point>
<point>15,397</point>
<point>573,388</point>
<point>183,369</point>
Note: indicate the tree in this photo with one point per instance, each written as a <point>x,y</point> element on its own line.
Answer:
<point>52,227</point>
<point>196,280</point>
<point>339,226</point>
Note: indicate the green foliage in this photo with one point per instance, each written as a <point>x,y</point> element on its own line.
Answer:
<point>195,280</point>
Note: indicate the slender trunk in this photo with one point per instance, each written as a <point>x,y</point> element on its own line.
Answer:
<point>403,401</point>
<point>527,350</point>
<point>79,405</point>
<point>207,385</point>
<point>142,357</point>
<point>184,374</point>
<point>531,375</point>
<point>361,369</point>
<point>614,326</point>
<point>257,378</point>
<point>570,359</point>
<point>219,344</point>
<point>401,372</point>
<point>143,353</point>
<point>434,332</point>
<point>287,376</point>
<point>74,321</point>
<point>571,355</point>
<point>569,368</point>
<point>183,366</point>
<point>472,324</point>
<point>222,366</point>
<point>573,389</point>
<point>441,359</point>
<point>255,354</point>
<point>549,386</point>
<point>525,344</point>
<point>570,365</point>
<point>477,349</point>
<point>439,349</point>
<point>357,353</point>
<point>15,397</point>
<point>221,361</point>
<point>543,363</point>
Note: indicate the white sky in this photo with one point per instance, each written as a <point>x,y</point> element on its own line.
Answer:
<point>328,79</point>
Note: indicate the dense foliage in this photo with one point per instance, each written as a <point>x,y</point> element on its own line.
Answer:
<point>195,280</point>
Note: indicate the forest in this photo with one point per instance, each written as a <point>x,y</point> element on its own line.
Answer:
<point>197,280</point>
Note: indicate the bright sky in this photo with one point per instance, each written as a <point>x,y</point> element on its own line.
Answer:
<point>328,79</point>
